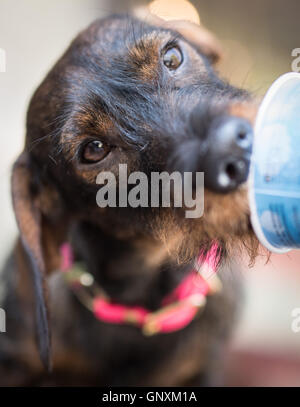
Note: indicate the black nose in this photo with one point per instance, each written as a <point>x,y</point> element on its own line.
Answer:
<point>226,164</point>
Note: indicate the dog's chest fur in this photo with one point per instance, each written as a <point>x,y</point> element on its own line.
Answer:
<point>89,352</point>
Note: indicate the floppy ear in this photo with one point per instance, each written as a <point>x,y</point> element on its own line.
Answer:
<point>196,34</point>
<point>29,220</point>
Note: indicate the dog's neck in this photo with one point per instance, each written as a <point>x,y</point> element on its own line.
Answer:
<point>130,271</point>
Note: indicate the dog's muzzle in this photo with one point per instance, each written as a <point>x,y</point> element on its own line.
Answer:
<point>226,162</point>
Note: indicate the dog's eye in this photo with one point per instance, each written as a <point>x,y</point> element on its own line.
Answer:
<point>173,58</point>
<point>94,151</point>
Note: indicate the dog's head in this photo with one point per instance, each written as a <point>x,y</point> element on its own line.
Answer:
<point>144,95</point>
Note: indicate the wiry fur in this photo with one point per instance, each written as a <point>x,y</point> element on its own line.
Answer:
<point>111,85</point>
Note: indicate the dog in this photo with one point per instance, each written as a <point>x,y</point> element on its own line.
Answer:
<point>145,94</point>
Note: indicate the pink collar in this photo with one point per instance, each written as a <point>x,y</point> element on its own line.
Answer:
<point>177,310</point>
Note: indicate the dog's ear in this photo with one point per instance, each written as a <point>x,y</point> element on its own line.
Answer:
<point>196,34</point>
<point>26,203</point>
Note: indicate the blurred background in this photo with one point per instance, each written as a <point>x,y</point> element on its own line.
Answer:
<point>258,38</point>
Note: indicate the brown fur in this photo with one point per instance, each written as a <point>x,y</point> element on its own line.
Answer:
<point>137,257</point>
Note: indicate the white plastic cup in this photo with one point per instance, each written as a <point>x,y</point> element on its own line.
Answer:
<point>274,179</point>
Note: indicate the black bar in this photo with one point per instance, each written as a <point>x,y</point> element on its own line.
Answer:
<point>138,396</point>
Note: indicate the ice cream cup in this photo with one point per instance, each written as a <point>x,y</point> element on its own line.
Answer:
<point>274,178</point>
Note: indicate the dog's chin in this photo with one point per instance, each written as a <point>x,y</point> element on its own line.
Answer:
<point>227,216</point>
<point>227,219</point>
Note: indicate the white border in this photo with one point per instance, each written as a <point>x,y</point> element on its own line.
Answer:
<point>267,101</point>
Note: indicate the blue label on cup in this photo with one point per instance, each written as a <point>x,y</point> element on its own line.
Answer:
<point>274,184</point>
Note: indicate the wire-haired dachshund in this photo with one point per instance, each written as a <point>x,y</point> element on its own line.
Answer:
<point>118,285</point>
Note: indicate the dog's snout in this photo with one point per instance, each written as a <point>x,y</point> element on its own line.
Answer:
<point>227,161</point>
